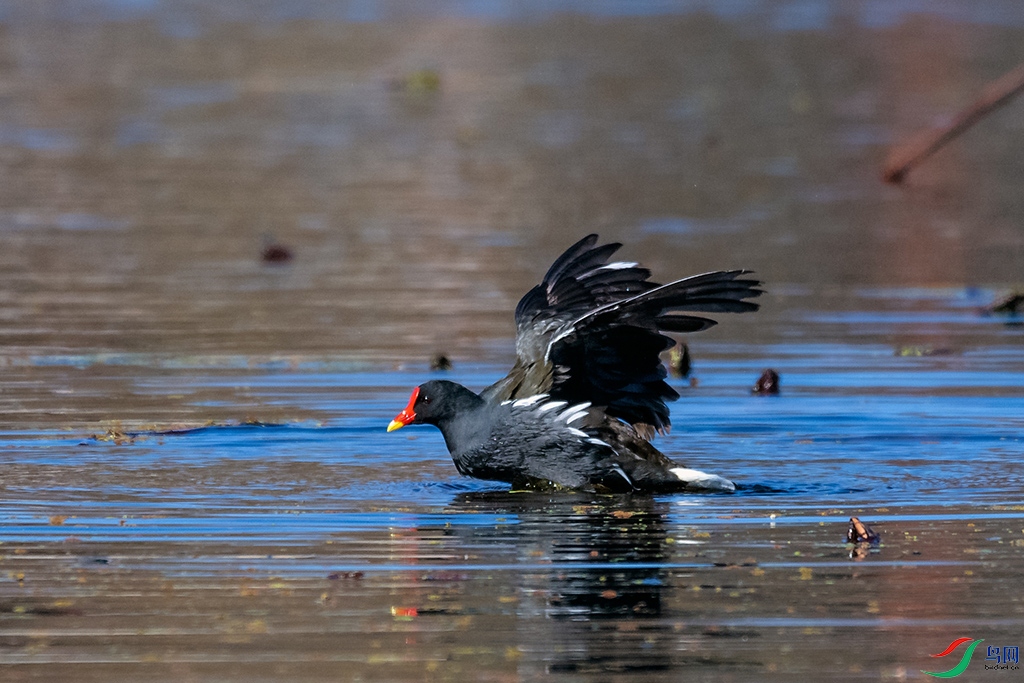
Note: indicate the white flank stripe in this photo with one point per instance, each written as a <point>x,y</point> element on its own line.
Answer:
<point>598,442</point>
<point>551,406</point>
<point>577,432</point>
<point>529,400</point>
<point>575,412</point>
<point>619,265</point>
<point>575,416</point>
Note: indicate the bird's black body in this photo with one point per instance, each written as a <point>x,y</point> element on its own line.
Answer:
<point>588,390</point>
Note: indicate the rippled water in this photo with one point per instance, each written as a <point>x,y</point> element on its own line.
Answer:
<point>196,483</point>
<point>318,546</point>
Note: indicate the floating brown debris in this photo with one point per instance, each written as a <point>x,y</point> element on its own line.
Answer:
<point>767,384</point>
<point>120,436</point>
<point>276,253</point>
<point>679,361</point>
<point>419,82</point>
<point>920,351</point>
<point>749,562</point>
<point>1011,304</point>
<point>116,435</point>
<point>439,361</point>
<point>862,537</point>
<point>59,608</point>
<point>859,532</point>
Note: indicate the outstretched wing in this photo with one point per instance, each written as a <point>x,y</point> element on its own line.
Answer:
<point>591,331</point>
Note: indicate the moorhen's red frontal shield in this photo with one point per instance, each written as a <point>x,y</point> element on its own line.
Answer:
<point>407,415</point>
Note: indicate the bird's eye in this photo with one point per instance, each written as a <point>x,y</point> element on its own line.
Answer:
<point>426,399</point>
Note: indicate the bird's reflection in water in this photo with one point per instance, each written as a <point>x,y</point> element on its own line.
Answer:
<point>599,606</point>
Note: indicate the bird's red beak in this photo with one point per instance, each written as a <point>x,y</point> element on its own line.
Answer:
<point>407,415</point>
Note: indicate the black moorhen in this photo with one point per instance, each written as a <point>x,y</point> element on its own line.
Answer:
<point>587,391</point>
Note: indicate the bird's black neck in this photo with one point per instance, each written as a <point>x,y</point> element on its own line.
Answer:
<point>459,420</point>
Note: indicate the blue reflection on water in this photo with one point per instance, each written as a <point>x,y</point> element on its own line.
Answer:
<point>854,426</point>
<point>38,139</point>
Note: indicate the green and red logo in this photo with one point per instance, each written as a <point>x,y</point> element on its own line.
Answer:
<point>1005,658</point>
<point>964,661</point>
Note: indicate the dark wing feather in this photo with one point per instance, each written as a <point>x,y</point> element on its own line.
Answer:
<point>578,281</point>
<point>591,331</point>
<point>611,355</point>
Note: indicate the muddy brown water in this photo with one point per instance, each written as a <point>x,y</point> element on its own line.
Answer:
<point>195,482</point>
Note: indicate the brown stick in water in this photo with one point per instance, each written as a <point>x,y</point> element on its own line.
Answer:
<point>993,96</point>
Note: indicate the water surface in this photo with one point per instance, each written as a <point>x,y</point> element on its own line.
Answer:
<point>196,482</point>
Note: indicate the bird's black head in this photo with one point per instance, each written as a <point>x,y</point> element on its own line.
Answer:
<point>435,402</point>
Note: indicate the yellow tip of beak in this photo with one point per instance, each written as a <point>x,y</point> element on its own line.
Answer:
<point>395,424</point>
